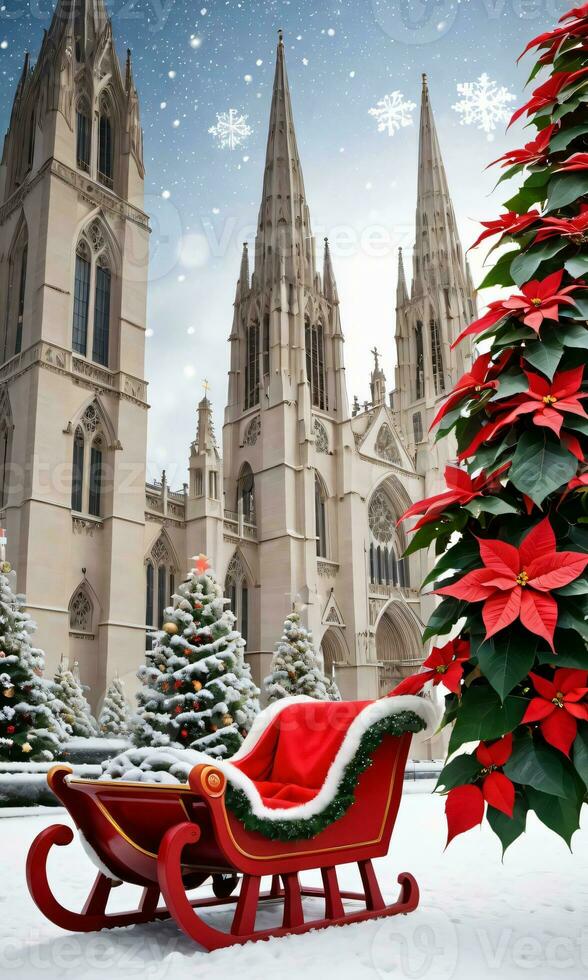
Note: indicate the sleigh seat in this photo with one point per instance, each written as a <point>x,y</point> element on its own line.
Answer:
<point>314,785</point>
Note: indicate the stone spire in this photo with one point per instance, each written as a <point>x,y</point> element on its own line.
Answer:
<point>243,280</point>
<point>84,19</point>
<point>329,284</point>
<point>401,290</point>
<point>284,219</point>
<point>377,380</point>
<point>438,256</point>
<point>205,439</point>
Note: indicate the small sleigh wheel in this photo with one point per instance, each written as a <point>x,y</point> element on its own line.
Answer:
<point>224,885</point>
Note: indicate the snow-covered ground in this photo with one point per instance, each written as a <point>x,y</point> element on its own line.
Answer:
<point>478,918</point>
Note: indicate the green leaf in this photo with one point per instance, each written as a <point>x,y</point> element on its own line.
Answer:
<point>561,816</point>
<point>505,660</point>
<point>507,829</point>
<point>562,139</point>
<point>580,752</point>
<point>533,190</point>
<point>570,649</point>
<point>540,466</point>
<point>577,266</point>
<point>463,769</point>
<point>545,354</point>
<point>444,617</point>
<point>510,383</point>
<point>540,766</point>
<point>453,521</point>
<point>460,558</point>
<point>490,505</point>
<point>522,268</point>
<point>573,335</point>
<point>566,188</point>
<point>577,424</point>
<point>499,274</point>
<point>578,587</point>
<point>482,715</point>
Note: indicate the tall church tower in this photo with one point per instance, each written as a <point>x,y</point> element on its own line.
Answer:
<point>440,304</point>
<point>73,410</point>
<point>286,382</point>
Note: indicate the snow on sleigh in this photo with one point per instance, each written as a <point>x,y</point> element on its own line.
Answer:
<point>314,785</point>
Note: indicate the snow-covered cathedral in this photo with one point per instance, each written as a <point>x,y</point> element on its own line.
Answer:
<point>298,504</point>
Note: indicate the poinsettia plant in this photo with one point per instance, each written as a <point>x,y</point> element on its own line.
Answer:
<point>511,529</point>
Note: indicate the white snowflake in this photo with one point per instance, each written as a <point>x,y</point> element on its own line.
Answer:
<point>392,112</point>
<point>231,129</point>
<point>484,104</point>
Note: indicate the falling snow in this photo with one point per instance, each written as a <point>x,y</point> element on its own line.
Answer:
<point>392,112</point>
<point>231,129</point>
<point>484,104</point>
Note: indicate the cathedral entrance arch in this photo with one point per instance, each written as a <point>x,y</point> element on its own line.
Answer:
<point>399,649</point>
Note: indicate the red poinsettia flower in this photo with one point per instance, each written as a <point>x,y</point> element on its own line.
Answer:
<point>554,38</point>
<point>444,665</point>
<point>539,300</point>
<point>548,400</point>
<point>515,583</point>
<point>510,223</point>
<point>578,161</point>
<point>462,488</point>
<point>548,92</point>
<point>558,706</point>
<point>464,806</point>
<point>579,482</point>
<point>479,378</point>
<point>575,228</point>
<point>533,152</point>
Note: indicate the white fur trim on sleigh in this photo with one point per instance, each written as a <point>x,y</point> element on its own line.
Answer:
<point>147,765</point>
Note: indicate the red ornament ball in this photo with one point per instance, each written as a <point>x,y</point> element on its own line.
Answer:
<point>11,729</point>
<point>197,605</point>
<point>177,685</point>
<point>184,733</point>
<point>178,709</point>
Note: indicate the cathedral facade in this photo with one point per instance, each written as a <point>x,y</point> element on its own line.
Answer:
<point>297,504</point>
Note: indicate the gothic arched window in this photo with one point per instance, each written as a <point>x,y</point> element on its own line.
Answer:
<point>83,134</point>
<point>252,366</point>
<point>437,357</point>
<point>101,312</point>
<point>246,494</point>
<point>320,515</point>
<point>160,575</point>
<point>81,299</point>
<point>237,589</point>
<point>96,478</point>
<point>88,464</point>
<point>81,612</point>
<point>17,284</point>
<point>6,429</point>
<point>106,143</point>
<point>387,566</point>
<point>419,362</point>
<point>314,342</point>
<point>93,278</point>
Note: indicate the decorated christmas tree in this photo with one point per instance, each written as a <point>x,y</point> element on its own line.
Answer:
<point>74,708</point>
<point>511,528</point>
<point>197,689</point>
<point>114,716</point>
<point>295,667</point>
<point>30,728</point>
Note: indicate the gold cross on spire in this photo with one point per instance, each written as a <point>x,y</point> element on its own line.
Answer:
<point>376,354</point>
<point>205,387</point>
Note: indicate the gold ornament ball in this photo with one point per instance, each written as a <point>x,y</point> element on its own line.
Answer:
<point>26,747</point>
<point>227,719</point>
<point>170,628</point>
<point>9,692</point>
<point>197,685</point>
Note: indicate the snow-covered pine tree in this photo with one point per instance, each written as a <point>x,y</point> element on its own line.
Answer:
<point>75,710</point>
<point>114,716</point>
<point>295,667</point>
<point>30,728</point>
<point>197,689</point>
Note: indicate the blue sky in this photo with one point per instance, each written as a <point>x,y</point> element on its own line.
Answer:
<point>196,60</point>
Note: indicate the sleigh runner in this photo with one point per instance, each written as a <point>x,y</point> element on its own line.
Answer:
<point>315,785</point>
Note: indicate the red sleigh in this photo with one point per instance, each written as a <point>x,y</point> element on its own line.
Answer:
<point>171,837</point>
